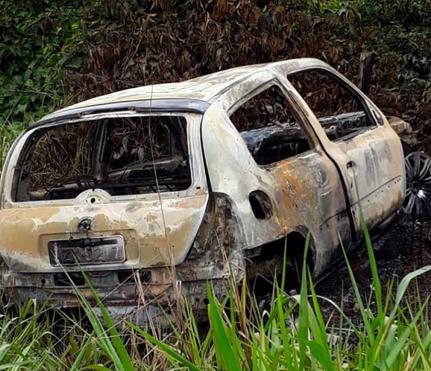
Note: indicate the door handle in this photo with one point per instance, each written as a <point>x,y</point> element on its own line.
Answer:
<point>350,164</point>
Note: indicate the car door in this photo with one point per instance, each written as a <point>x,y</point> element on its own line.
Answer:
<point>264,148</point>
<point>359,140</point>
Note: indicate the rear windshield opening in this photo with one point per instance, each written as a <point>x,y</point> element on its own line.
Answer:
<point>128,155</point>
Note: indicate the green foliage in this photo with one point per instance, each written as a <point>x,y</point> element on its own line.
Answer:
<point>109,338</point>
<point>391,338</point>
<point>406,12</point>
<point>391,333</point>
<point>53,53</point>
<point>38,41</point>
<point>27,340</point>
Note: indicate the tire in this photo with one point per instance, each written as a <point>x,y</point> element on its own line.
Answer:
<point>417,203</point>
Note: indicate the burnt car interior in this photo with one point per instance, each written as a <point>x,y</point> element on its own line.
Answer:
<point>272,133</point>
<point>121,155</point>
<point>340,111</point>
<point>269,128</point>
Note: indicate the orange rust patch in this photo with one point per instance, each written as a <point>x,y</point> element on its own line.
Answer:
<point>26,231</point>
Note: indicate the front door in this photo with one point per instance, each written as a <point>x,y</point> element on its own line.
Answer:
<point>359,140</point>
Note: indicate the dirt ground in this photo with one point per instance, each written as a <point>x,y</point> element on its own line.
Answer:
<point>406,246</point>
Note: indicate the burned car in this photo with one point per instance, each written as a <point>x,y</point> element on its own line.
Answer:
<point>154,191</point>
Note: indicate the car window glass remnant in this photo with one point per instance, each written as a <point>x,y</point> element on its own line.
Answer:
<point>121,155</point>
<point>269,128</point>
<point>340,112</point>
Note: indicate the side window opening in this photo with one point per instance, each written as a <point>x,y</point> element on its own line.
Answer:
<point>269,128</point>
<point>121,155</point>
<point>340,112</point>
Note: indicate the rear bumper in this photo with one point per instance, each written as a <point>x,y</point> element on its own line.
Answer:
<point>138,294</point>
<point>123,293</point>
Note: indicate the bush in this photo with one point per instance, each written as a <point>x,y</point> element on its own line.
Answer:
<point>38,41</point>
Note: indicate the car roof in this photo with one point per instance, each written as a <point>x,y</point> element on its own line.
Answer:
<point>198,92</point>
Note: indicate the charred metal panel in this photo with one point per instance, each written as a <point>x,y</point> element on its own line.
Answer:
<point>216,256</point>
<point>158,229</point>
<point>375,173</point>
<point>370,161</point>
<point>148,105</point>
<point>305,190</point>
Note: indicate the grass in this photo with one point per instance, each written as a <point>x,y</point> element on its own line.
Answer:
<point>391,333</point>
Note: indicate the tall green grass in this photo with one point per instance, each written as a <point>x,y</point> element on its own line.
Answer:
<point>391,332</point>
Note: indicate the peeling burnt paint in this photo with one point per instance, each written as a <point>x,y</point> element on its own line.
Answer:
<point>175,242</point>
<point>153,288</point>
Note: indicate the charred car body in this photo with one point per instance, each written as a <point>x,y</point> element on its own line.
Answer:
<point>155,190</point>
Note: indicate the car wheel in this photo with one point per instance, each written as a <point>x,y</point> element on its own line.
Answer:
<point>418,189</point>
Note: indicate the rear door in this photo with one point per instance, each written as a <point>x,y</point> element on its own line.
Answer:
<point>359,140</point>
<point>271,159</point>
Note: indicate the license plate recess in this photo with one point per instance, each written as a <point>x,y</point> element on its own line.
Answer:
<point>87,251</point>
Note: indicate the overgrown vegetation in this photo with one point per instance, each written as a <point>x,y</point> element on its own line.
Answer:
<point>391,332</point>
<point>55,53</point>
<point>39,40</point>
<point>52,54</point>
